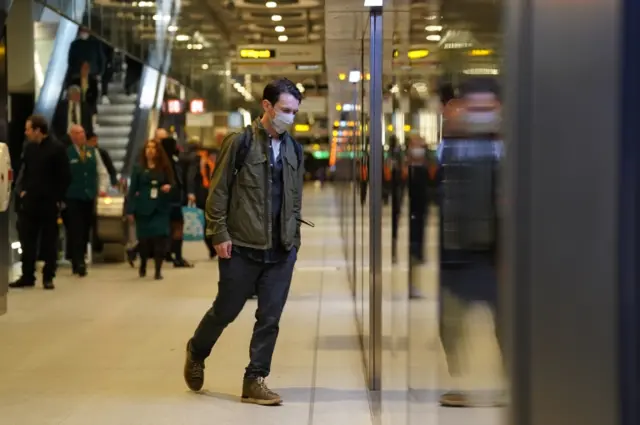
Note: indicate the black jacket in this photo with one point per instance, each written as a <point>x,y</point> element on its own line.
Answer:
<point>108,164</point>
<point>44,176</point>
<point>60,122</point>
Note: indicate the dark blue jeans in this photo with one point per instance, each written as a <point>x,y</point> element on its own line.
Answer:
<point>239,277</point>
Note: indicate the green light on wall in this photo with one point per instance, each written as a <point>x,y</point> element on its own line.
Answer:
<point>321,154</point>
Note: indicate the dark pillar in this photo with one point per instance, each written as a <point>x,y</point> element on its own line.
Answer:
<point>572,132</point>
<point>5,246</point>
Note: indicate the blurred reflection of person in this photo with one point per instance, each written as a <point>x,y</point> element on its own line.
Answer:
<point>470,156</point>
<point>418,174</point>
<point>72,111</point>
<point>149,205</point>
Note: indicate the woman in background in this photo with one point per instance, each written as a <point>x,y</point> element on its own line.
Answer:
<point>149,204</point>
<point>178,200</point>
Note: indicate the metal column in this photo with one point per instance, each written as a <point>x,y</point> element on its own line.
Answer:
<point>5,247</point>
<point>375,199</point>
<point>571,292</point>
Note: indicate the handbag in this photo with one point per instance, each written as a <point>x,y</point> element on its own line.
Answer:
<point>193,229</point>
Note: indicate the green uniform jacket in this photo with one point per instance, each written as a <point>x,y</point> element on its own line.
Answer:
<point>239,209</point>
<point>84,174</point>
<point>148,204</point>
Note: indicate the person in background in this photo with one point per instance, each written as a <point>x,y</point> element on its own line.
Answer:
<point>45,176</point>
<point>418,185</point>
<point>149,205</point>
<point>256,237</point>
<point>197,164</point>
<point>89,178</point>
<point>92,140</point>
<point>88,85</point>
<point>83,49</point>
<point>132,253</point>
<point>133,74</point>
<point>170,146</point>
<point>72,111</point>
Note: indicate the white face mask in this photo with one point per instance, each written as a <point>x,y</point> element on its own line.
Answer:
<point>83,35</point>
<point>418,152</point>
<point>282,122</point>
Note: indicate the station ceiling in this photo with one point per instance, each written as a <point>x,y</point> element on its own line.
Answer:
<point>331,38</point>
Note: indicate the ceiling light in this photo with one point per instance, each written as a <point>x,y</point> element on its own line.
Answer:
<point>189,46</point>
<point>280,28</point>
<point>300,87</point>
<point>354,76</point>
<point>283,38</point>
<point>271,4</point>
<point>433,37</point>
<point>182,37</point>
<point>197,46</point>
<point>172,28</point>
<point>433,28</point>
<point>276,18</point>
<point>205,66</point>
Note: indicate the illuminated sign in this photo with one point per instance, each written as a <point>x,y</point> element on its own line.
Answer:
<point>417,54</point>
<point>257,54</point>
<point>174,106</point>
<point>310,67</point>
<point>196,106</point>
<point>302,127</point>
<point>480,52</point>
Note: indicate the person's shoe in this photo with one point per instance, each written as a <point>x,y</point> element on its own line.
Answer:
<point>82,271</point>
<point>142,271</point>
<point>48,284</point>
<point>22,283</point>
<point>182,264</point>
<point>463,399</point>
<point>158,276</point>
<point>255,390</point>
<point>193,371</point>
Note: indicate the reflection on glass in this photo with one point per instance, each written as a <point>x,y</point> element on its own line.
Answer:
<point>470,156</point>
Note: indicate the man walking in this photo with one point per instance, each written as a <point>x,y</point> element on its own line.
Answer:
<point>253,217</point>
<point>45,176</point>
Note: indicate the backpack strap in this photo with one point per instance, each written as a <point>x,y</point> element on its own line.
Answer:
<point>243,150</point>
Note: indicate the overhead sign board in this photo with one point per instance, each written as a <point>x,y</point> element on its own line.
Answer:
<point>285,53</point>
<point>278,68</point>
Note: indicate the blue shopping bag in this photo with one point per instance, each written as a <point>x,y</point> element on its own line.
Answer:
<point>193,229</point>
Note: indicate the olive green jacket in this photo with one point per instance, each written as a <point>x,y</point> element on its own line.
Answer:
<point>238,209</point>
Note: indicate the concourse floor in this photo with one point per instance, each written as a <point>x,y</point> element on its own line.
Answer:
<point>109,349</point>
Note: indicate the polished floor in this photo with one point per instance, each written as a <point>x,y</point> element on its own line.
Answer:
<point>108,349</point>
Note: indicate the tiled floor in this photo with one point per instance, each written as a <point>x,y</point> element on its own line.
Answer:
<point>108,350</point>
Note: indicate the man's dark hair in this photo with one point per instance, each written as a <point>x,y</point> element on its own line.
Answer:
<point>480,85</point>
<point>38,122</point>
<point>274,89</point>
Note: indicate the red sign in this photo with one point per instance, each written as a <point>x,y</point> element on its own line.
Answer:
<point>197,106</point>
<point>174,106</point>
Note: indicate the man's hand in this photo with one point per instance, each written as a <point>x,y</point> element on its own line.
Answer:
<point>191,198</point>
<point>22,194</point>
<point>223,249</point>
<point>131,218</point>
<point>166,188</point>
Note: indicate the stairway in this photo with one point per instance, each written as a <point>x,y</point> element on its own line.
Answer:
<point>114,122</point>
